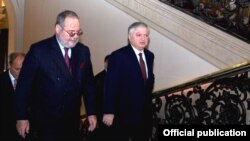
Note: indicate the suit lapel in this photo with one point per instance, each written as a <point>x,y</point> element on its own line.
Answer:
<point>134,61</point>
<point>57,57</point>
<point>149,60</point>
<point>9,83</point>
<point>73,60</point>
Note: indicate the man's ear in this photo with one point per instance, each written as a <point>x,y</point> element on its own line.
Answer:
<point>58,28</point>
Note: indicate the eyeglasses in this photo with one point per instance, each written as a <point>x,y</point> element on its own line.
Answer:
<point>73,33</point>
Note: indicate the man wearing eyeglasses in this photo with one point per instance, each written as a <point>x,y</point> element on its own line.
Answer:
<point>55,75</point>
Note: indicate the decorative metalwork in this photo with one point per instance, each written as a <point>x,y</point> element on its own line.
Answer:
<point>226,102</point>
<point>221,100</point>
<point>178,110</point>
<point>231,16</point>
<point>156,108</point>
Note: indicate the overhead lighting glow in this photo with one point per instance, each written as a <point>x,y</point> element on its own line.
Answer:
<point>2,3</point>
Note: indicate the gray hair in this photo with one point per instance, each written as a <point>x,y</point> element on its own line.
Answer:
<point>135,25</point>
<point>63,15</point>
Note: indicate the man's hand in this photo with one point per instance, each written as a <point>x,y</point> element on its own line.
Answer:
<point>92,122</point>
<point>108,119</point>
<point>23,127</point>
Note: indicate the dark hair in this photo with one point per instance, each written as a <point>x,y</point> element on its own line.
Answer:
<point>14,55</point>
<point>106,58</point>
<point>62,16</point>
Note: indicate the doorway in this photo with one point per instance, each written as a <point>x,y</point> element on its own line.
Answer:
<point>4,33</point>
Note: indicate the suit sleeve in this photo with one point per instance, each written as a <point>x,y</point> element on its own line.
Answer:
<point>89,86</point>
<point>26,77</point>
<point>112,83</point>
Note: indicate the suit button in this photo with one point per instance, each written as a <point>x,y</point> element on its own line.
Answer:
<point>58,78</point>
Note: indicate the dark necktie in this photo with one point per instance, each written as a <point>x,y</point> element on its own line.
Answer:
<point>15,83</point>
<point>66,58</point>
<point>143,68</point>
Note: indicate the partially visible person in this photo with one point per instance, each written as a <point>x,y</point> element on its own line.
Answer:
<point>56,73</point>
<point>102,131</point>
<point>128,88</point>
<point>8,81</point>
<point>99,90</point>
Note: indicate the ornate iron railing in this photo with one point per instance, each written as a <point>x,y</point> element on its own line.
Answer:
<point>231,16</point>
<point>220,98</point>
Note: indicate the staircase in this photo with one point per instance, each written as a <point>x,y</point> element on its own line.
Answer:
<point>212,44</point>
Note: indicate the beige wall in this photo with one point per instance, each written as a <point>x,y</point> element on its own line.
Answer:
<point>15,10</point>
<point>105,29</point>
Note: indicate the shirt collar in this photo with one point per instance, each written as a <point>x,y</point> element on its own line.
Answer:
<point>62,49</point>
<point>137,51</point>
<point>60,45</point>
<point>12,78</point>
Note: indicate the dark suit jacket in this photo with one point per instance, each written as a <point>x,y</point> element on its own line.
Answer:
<point>7,108</point>
<point>126,95</point>
<point>99,92</point>
<point>46,86</point>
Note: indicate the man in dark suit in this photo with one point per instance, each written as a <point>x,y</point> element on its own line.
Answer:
<point>8,81</point>
<point>128,88</point>
<point>56,73</point>
<point>99,90</point>
<point>102,131</point>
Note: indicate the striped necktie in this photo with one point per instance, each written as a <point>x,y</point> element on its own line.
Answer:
<point>67,60</point>
<point>143,67</point>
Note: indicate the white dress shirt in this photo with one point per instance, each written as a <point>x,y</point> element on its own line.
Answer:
<point>143,57</point>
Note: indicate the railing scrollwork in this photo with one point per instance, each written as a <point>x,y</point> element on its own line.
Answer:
<point>222,98</point>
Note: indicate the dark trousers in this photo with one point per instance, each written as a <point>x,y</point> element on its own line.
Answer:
<point>101,133</point>
<point>8,131</point>
<point>61,132</point>
<point>49,135</point>
<point>10,135</point>
<point>130,133</point>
